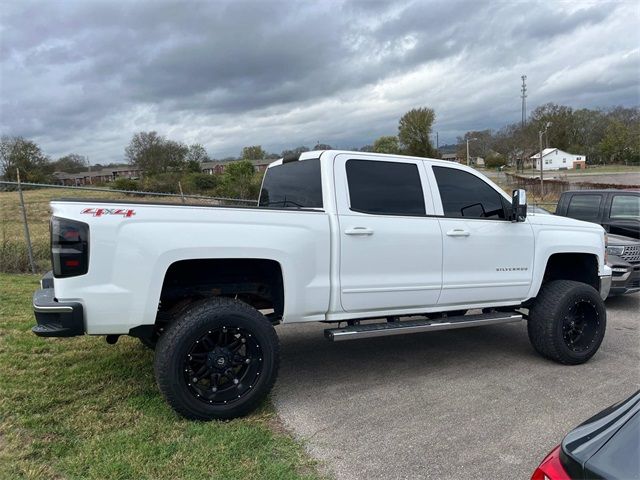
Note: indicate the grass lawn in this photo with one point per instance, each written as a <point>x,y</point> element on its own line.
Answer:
<point>80,408</point>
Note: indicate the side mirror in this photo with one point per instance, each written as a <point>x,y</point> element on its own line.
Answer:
<point>518,205</point>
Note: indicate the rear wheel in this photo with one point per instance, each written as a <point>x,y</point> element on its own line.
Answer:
<point>218,360</point>
<point>567,322</point>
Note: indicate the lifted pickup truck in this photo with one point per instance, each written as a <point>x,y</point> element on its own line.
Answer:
<point>357,240</point>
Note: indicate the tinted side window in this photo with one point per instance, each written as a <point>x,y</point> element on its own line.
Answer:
<point>385,188</point>
<point>293,185</point>
<point>584,207</point>
<point>625,207</point>
<point>465,195</point>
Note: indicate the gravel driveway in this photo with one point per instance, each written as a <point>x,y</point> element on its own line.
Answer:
<point>472,403</point>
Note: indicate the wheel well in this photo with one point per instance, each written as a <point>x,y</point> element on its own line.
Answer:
<point>580,267</point>
<point>257,282</point>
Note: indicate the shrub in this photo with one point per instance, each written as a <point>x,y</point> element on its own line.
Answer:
<point>495,161</point>
<point>125,184</point>
<point>162,183</point>
<point>199,183</point>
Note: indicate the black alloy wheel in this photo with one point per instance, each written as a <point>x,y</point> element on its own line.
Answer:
<point>567,321</point>
<point>218,359</point>
<point>581,326</point>
<point>223,365</point>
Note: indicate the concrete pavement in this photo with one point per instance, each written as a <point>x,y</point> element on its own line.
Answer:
<point>471,403</point>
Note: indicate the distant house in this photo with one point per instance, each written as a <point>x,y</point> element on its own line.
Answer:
<point>89,177</point>
<point>218,166</point>
<point>451,157</point>
<point>556,159</point>
<point>476,161</point>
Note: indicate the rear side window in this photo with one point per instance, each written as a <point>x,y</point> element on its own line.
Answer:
<point>465,195</point>
<point>293,185</point>
<point>584,207</point>
<point>625,207</point>
<point>385,188</point>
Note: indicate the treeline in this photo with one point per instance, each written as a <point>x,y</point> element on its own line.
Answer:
<point>603,136</point>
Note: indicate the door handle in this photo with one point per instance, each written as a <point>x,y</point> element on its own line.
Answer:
<point>458,232</point>
<point>358,231</point>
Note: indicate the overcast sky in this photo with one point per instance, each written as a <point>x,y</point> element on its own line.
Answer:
<point>83,76</point>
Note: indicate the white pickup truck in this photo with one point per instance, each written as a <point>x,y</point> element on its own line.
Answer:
<point>371,244</point>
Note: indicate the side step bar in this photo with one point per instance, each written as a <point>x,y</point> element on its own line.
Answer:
<point>371,330</point>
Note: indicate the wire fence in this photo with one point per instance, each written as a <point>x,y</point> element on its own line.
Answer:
<point>25,213</point>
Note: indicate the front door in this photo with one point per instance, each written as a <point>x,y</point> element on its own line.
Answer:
<point>486,257</point>
<point>390,251</point>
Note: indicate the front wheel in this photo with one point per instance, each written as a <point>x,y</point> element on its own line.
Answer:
<point>567,322</point>
<point>218,360</point>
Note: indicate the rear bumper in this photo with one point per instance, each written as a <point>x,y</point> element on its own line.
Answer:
<point>55,319</point>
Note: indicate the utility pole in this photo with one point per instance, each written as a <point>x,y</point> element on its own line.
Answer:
<point>469,140</point>
<point>523,122</point>
<point>89,165</point>
<point>540,134</point>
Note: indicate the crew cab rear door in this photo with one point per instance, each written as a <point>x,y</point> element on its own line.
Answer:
<point>390,248</point>
<point>486,257</point>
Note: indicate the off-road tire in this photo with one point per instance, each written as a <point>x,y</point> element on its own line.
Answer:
<point>552,313</point>
<point>165,318</point>
<point>184,332</point>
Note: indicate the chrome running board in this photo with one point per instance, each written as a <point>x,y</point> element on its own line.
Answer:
<point>371,330</point>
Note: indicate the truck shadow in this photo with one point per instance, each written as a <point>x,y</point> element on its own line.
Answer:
<point>308,358</point>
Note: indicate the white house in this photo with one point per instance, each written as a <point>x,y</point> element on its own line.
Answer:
<point>556,159</point>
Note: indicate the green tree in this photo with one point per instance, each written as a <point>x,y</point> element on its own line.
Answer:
<point>198,153</point>
<point>414,131</point>
<point>387,144</point>
<point>154,154</point>
<point>239,180</point>
<point>254,152</point>
<point>294,151</point>
<point>19,153</point>
<point>619,144</point>
<point>495,160</point>
<point>71,163</point>
<point>322,146</point>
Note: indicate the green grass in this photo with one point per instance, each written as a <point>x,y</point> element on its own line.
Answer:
<point>80,408</point>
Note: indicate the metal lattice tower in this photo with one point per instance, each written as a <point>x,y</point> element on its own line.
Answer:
<point>524,99</point>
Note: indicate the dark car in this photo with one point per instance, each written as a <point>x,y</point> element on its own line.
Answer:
<point>618,211</point>
<point>624,259</point>
<point>605,446</point>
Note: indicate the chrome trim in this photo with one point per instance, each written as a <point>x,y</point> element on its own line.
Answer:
<point>369,331</point>
<point>605,286</point>
<point>56,309</point>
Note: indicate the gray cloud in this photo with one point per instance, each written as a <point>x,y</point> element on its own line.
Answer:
<point>84,76</point>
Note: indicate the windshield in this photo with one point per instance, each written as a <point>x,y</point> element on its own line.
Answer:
<point>292,185</point>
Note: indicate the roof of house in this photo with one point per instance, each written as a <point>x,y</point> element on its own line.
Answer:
<point>547,151</point>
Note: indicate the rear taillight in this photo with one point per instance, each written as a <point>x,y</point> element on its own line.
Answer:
<point>551,468</point>
<point>69,247</point>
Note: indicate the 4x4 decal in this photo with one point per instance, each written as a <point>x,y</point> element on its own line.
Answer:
<point>98,212</point>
